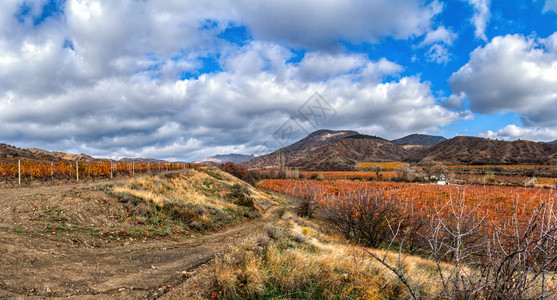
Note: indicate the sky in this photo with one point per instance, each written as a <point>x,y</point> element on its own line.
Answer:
<point>183,80</point>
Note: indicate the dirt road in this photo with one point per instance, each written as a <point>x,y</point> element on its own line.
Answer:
<point>37,261</point>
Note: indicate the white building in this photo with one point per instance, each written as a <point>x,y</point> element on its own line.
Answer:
<point>442,180</point>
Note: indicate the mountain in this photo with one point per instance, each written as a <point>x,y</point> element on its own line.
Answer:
<point>142,160</point>
<point>554,142</point>
<point>8,152</point>
<point>222,158</point>
<point>11,152</point>
<point>345,153</point>
<point>476,150</point>
<point>59,155</point>
<point>420,139</point>
<point>300,149</point>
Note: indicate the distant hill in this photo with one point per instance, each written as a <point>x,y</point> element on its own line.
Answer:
<point>222,158</point>
<point>476,150</point>
<point>59,155</point>
<point>8,152</point>
<point>142,160</point>
<point>349,151</point>
<point>342,150</point>
<point>554,142</point>
<point>420,139</point>
<point>300,149</point>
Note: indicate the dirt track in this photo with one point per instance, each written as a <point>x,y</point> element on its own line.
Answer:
<point>39,263</point>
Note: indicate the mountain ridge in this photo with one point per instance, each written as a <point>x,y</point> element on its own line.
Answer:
<point>350,147</point>
<point>419,139</point>
<point>223,158</point>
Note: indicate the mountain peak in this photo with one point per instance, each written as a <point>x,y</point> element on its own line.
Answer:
<point>419,139</point>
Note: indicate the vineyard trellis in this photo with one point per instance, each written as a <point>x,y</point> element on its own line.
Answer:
<point>25,171</point>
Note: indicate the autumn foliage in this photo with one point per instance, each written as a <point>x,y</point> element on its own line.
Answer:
<point>33,170</point>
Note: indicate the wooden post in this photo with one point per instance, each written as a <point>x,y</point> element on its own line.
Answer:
<point>77,170</point>
<point>110,170</point>
<point>52,170</point>
<point>19,170</point>
<point>133,168</point>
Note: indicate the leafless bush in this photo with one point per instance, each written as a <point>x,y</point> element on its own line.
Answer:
<point>308,200</point>
<point>520,260</point>
<point>363,216</point>
<point>488,261</point>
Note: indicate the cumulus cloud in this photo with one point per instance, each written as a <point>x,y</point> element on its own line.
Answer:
<point>513,132</point>
<point>121,78</point>
<point>229,110</point>
<point>319,24</point>
<point>481,17</point>
<point>438,41</point>
<point>439,35</point>
<point>512,73</point>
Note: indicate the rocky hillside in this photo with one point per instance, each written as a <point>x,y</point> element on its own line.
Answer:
<point>419,139</point>
<point>347,152</point>
<point>300,149</point>
<point>475,150</point>
<point>342,150</point>
<point>8,152</point>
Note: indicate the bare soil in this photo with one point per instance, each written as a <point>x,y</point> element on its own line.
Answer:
<point>39,258</point>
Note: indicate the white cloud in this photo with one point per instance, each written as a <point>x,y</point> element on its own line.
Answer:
<point>320,24</point>
<point>439,41</point>
<point>512,73</point>
<point>232,109</point>
<point>440,35</point>
<point>438,54</point>
<point>106,77</point>
<point>481,17</point>
<point>513,132</point>
<point>550,5</point>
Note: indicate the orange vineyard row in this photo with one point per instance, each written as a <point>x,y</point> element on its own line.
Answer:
<point>64,169</point>
<point>347,174</point>
<point>393,165</point>
<point>496,202</point>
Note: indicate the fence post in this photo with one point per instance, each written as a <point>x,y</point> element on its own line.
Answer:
<point>133,168</point>
<point>110,170</point>
<point>77,170</point>
<point>52,170</point>
<point>19,170</point>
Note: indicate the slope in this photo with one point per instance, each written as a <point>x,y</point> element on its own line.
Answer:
<point>299,149</point>
<point>347,152</point>
<point>475,150</point>
<point>419,139</point>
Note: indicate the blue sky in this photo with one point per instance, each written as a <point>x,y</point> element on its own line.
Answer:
<point>185,80</point>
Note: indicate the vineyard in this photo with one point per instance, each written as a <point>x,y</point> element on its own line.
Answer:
<point>349,174</point>
<point>497,203</point>
<point>394,165</point>
<point>23,171</point>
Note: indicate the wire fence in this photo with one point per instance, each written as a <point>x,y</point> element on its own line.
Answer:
<point>20,172</point>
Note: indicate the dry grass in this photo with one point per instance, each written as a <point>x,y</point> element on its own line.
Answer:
<point>319,265</point>
<point>199,199</point>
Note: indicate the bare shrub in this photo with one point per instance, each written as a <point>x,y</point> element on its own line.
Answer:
<point>488,261</point>
<point>363,216</point>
